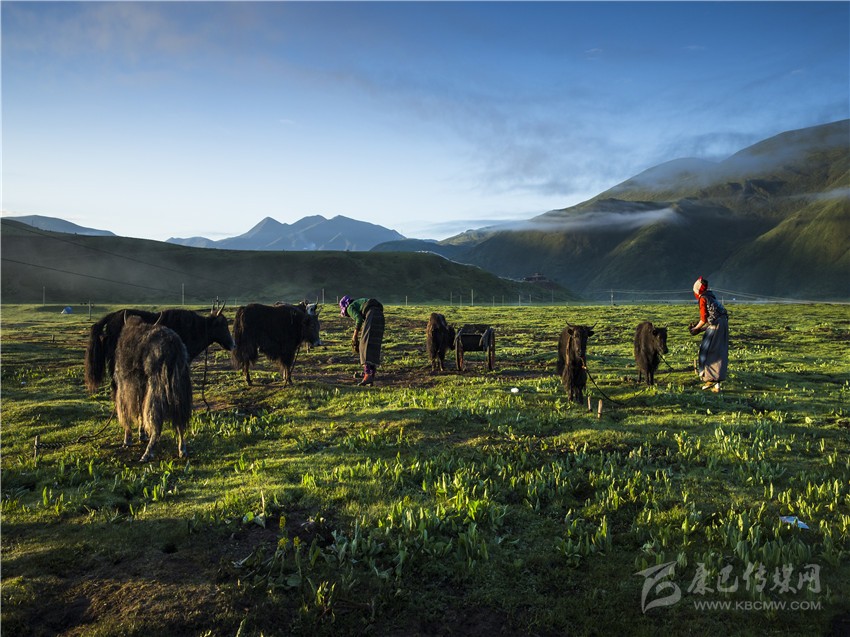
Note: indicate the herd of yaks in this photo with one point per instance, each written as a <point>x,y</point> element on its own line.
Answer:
<point>148,354</point>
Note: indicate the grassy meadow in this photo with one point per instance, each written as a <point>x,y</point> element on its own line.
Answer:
<point>474,503</point>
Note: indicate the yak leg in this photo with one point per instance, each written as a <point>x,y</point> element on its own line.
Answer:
<point>124,416</point>
<point>286,373</point>
<point>154,438</point>
<point>128,434</point>
<point>246,369</point>
<point>182,452</point>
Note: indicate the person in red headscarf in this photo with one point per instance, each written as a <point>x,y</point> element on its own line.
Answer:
<point>713,361</point>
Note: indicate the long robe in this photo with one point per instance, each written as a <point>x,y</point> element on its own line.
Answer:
<point>714,352</point>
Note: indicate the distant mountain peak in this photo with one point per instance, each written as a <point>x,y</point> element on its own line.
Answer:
<point>314,232</point>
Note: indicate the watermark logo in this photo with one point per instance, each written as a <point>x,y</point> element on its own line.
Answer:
<point>656,582</point>
<point>660,590</point>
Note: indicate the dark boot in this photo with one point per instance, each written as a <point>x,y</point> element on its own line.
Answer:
<point>368,375</point>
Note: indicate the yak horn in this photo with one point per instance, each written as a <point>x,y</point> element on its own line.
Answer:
<point>221,309</point>
<point>158,319</point>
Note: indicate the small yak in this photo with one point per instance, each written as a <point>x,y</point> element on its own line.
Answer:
<point>152,383</point>
<point>276,331</point>
<point>572,361</point>
<point>439,337</point>
<point>650,345</point>
<point>196,331</point>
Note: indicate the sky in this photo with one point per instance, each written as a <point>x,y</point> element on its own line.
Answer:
<point>181,119</point>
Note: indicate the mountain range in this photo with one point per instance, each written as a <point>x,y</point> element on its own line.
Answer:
<point>310,233</point>
<point>771,220</point>
<point>53,224</point>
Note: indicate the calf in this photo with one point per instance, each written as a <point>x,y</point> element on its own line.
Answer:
<point>572,362</point>
<point>439,337</point>
<point>152,383</point>
<point>650,344</point>
<point>276,331</point>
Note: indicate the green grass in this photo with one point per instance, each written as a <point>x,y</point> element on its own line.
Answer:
<point>437,504</point>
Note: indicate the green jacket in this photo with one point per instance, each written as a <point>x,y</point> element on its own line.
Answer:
<point>355,311</point>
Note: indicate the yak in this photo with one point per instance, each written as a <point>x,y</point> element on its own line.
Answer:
<point>152,383</point>
<point>650,344</point>
<point>197,333</point>
<point>475,338</point>
<point>439,337</point>
<point>572,361</point>
<point>276,331</point>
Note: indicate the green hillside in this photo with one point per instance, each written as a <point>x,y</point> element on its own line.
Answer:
<point>772,220</point>
<point>71,269</point>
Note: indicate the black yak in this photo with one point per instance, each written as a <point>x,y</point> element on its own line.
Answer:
<point>650,344</point>
<point>276,331</point>
<point>439,337</point>
<point>197,333</point>
<point>572,361</point>
<point>475,338</point>
<point>152,383</point>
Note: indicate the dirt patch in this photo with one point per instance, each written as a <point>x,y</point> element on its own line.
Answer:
<point>176,590</point>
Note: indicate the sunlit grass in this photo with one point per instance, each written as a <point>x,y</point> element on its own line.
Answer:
<point>386,508</point>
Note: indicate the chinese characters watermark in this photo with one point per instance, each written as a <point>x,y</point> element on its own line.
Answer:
<point>660,590</point>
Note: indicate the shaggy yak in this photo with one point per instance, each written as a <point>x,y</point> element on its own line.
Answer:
<point>197,333</point>
<point>152,383</point>
<point>276,331</point>
<point>650,344</point>
<point>439,337</point>
<point>572,362</point>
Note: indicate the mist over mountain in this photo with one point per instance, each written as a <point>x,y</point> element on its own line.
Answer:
<point>310,233</point>
<point>771,220</point>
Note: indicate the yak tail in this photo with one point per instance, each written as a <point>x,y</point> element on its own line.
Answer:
<point>96,355</point>
<point>244,348</point>
<point>179,391</point>
<point>169,397</point>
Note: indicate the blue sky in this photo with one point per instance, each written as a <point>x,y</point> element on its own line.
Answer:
<point>162,119</point>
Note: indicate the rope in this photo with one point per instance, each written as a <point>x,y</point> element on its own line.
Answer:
<point>616,402</point>
<point>59,445</point>
<point>666,363</point>
<point>204,381</point>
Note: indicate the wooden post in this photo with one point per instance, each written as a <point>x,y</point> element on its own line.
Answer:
<point>599,409</point>
<point>35,448</point>
<point>589,408</point>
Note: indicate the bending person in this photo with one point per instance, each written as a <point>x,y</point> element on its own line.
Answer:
<point>368,315</point>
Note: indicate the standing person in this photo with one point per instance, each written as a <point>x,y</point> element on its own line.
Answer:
<point>713,361</point>
<point>368,315</point>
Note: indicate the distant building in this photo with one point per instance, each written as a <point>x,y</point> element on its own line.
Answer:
<point>537,277</point>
